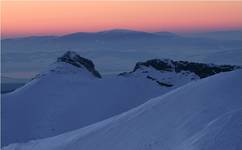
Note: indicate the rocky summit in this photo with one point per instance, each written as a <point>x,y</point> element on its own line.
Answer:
<point>201,69</point>
<point>74,59</point>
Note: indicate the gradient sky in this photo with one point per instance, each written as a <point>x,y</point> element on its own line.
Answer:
<point>23,18</point>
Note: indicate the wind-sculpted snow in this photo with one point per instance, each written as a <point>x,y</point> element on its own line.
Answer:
<point>204,114</point>
<point>70,94</point>
<point>66,98</point>
<point>221,133</point>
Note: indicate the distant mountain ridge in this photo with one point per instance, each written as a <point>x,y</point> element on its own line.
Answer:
<point>82,34</point>
<point>108,38</point>
<point>236,33</point>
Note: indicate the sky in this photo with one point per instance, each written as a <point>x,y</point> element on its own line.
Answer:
<point>24,18</point>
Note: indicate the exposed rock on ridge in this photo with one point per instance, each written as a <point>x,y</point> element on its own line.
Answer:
<point>201,69</point>
<point>74,59</point>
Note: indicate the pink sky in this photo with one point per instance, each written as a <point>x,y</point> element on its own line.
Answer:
<point>61,17</point>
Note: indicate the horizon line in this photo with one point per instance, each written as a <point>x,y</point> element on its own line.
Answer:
<point>113,29</point>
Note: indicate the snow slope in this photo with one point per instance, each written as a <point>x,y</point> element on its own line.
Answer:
<point>71,94</point>
<point>204,114</point>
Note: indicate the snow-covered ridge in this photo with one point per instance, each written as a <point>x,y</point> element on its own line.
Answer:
<point>74,59</point>
<point>201,115</point>
<point>167,72</point>
<point>72,64</point>
<point>201,69</point>
<point>69,90</point>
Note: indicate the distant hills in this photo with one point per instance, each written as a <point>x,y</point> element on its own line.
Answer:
<point>114,50</point>
<point>121,38</point>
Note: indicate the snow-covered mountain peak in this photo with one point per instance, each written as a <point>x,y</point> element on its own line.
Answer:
<point>74,59</point>
<point>170,73</point>
<point>62,96</point>
<point>200,69</point>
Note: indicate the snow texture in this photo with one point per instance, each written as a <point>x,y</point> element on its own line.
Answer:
<point>204,114</point>
<point>66,97</point>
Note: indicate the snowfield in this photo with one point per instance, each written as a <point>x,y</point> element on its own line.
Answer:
<point>68,95</point>
<point>202,115</point>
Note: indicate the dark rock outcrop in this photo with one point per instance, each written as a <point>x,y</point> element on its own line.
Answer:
<point>74,59</point>
<point>201,69</point>
<point>159,82</point>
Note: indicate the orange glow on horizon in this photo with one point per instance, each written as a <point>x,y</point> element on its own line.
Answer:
<point>61,17</point>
